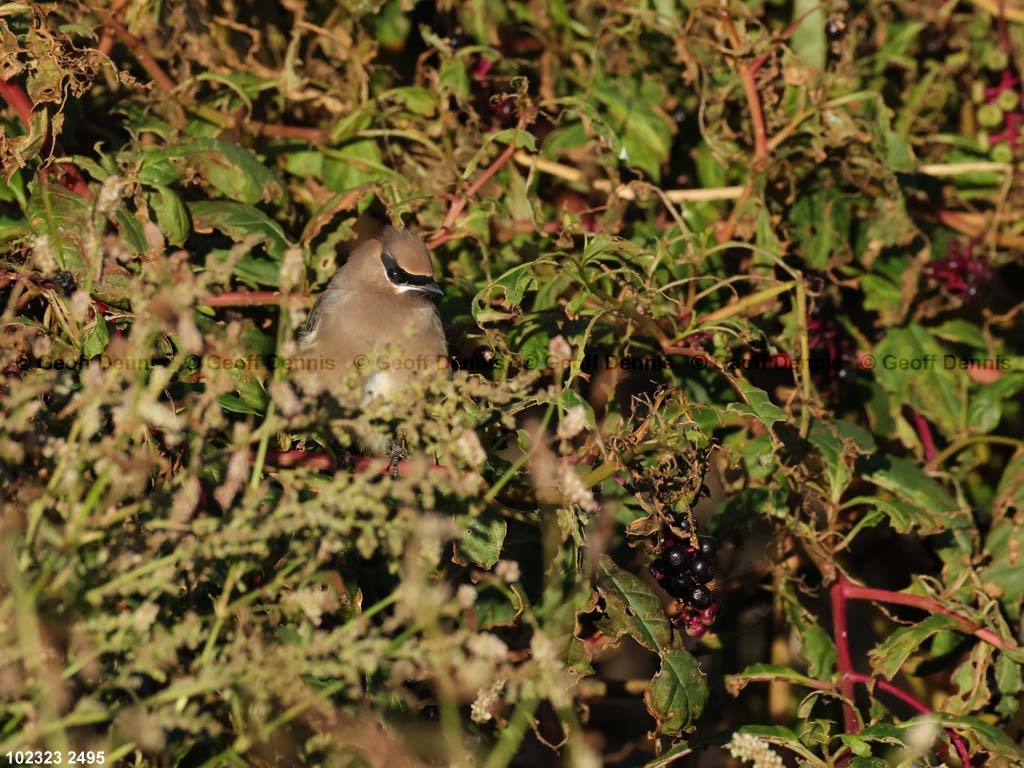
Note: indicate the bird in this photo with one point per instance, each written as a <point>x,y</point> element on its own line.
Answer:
<point>377,316</point>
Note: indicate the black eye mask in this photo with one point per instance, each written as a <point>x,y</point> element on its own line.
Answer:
<point>399,276</point>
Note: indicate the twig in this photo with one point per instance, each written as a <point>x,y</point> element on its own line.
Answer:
<point>954,448</point>
<point>250,299</point>
<point>623,191</point>
<point>462,200</point>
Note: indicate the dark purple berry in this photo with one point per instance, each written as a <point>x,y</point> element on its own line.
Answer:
<point>835,29</point>
<point>504,110</point>
<point>699,596</point>
<point>679,585</point>
<point>702,569</point>
<point>658,568</point>
<point>708,546</point>
<point>65,281</point>
<point>676,558</point>
<point>683,523</point>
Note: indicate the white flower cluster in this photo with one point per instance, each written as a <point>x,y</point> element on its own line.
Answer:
<point>570,484</point>
<point>486,698</point>
<point>749,748</point>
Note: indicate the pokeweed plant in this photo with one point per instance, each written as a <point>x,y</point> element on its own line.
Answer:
<point>758,252</point>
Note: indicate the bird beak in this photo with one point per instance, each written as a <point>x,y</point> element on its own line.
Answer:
<point>431,288</point>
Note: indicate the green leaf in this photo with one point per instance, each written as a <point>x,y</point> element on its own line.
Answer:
<point>631,607</point>
<point>231,170</point>
<point>131,231</point>
<point>240,221</point>
<point>763,673</point>
<point>960,332</point>
<point>171,214</point>
<point>927,505</point>
<point>482,538</point>
<point>96,342</point>
<point>808,39</point>
<point>636,117</point>
<point>453,79</point>
<point>678,692</point>
<point>986,408</point>
<point>889,656</point>
<point>61,215</point>
<point>821,224</point>
<point>358,162</point>
<point>758,404</point>
<point>833,451</point>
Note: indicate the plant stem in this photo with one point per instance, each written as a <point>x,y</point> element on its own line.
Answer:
<point>954,448</point>
<point>856,592</point>
<point>909,700</point>
<point>842,639</point>
<point>512,736</point>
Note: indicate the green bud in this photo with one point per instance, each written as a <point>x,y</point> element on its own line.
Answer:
<point>1002,152</point>
<point>1008,100</point>
<point>982,139</point>
<point>978,91</point>
<point>990,116</point>
<point>995,59</point>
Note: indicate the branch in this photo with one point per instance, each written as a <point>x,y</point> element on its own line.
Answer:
<point>851,591</point>
<point>249,299</point>
<point>443,233</point>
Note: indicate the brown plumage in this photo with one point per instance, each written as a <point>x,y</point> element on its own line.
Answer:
<point>376,312</point>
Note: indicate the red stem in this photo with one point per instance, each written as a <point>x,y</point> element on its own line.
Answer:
<point>246,299</point>
<point>906,698</point>
<point>850,591</point>
<point>13,94</point>
<point>754,103</point>
<point>444,233</point>
<point>925,433</point>
<point>839,629</point>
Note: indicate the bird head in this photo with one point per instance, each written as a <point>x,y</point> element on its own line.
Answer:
<point>399,263</point>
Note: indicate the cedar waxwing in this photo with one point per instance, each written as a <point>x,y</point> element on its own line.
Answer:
<point>376,317</point>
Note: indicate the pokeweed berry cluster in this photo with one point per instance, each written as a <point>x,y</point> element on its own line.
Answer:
<point>685,567</point>
<point>960,272</point>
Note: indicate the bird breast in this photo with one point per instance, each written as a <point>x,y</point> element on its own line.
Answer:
<point>387,344</point>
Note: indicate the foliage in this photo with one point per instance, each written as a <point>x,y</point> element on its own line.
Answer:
<point>771,247</point>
